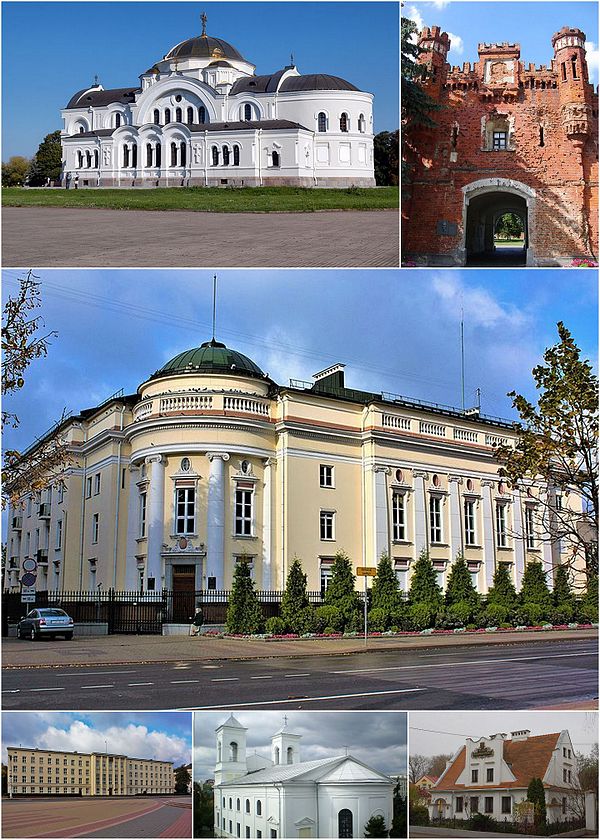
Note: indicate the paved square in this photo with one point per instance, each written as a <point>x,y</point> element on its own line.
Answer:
<point>69,237</point>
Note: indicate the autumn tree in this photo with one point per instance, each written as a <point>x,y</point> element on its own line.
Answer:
<point>557,446</point>
<point>418,765</point>
<point>14,171</point>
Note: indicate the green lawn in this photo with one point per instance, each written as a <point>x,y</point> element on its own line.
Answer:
<point>214,199</point>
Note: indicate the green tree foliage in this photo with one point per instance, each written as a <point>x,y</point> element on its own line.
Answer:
<point>589,602</point>
<point>417,105</point>
<point>47,163</point>
<point>509,226</point>
<point>182,779</point>
<point>385,593</point>
<point>537,796</point>
<point>460,584</point>
<point>341,592</point>
<point>244,613</point>
<point>562,592</point>
<point>558,443</point>
<point>14,171</point>
<point>204,822</point>
<point>376,827</point>
<point>398,828</point>
<point>587,769</point>
<point>386,158</point>
<point>503,590</point>
<point>417,806</point>
<point>533,586</point>
<point>296,610</point>
<point>424,586</point>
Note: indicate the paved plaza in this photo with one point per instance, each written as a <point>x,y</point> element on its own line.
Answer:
<point>68,237</point>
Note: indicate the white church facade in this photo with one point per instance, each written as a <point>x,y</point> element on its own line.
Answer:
<point>200,116</point>
<point>283,796</point>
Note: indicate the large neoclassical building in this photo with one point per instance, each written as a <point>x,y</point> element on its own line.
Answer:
<point>211,461</point>
<point>200,116</point>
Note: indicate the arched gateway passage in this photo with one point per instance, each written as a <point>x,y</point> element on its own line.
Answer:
<point>485,203</point>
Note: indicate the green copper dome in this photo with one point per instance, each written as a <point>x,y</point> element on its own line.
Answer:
<point>211,357</point>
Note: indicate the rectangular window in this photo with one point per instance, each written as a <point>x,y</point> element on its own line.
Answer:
<point>327,521</point>
<point>470,522</point>
<point>88,487</point>
<point>247,831</point>
<point>95,527</point>
<point>398,516</point>
<point>564,775</point>
<point>500,138</point>
<point>325,578</point>
<point>474,804</point>
<point>564,804</point>
<point>325,475</point>
<point>529,527</point>
<point>501,525</point>
<point>61,493</point>
<point>184,510</point>
<point>459,805</point>
<point>489,805</point>
<point>142,514</point>
<point>123,477</point>
<point>29,502</point>
<point>258,833</point>
<point>238,830</point>
<point>474,776</point>
<point>489,774</point>
<point>59,529</point>
<point>243,512</point>
<point>435,519</point>
<point>506,804</point>
<point>96,484</point>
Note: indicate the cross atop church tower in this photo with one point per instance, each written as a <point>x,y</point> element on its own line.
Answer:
<point>203,18</point>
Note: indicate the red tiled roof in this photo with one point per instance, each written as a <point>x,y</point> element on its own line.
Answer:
<point>527,759</point>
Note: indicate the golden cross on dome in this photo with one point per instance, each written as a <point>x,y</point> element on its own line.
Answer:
<point>203,18</point>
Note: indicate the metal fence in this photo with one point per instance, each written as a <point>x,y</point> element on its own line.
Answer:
<point>506,826</point>
<point>139,612</point>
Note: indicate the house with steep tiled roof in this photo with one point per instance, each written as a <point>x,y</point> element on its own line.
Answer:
<point>491,775</point>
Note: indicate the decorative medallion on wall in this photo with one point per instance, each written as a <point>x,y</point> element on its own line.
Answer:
<point>482,752</point>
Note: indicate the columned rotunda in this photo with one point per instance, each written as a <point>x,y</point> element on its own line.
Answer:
<point>201,117</point>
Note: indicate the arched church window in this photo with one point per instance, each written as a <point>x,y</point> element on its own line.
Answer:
<point>322,122</point>
<point>173,154</point>
<point>276,755</point>
<point>344,122</point>
<point>290,755</point>
<point>247,806</point>
<point>79,160</point>
<point>134,155</point>
<point>219,759</point>
<point>237,804</point>
<point>178,115</point>
<point>236,155</point>
<point>88,160</point>
<point>167,115</point>
<point>247,112</point>
<point>117,120</point>
<point>149,154</point>
<point>230,804</point>
<point>190,116</point>
<point>258,808</point>
<point>275,158</point>
<point>81,129</point>
<point>158,154</point>
<point>361,123</point>
<point>96,159</point>
<point>345,823</point>
<point>233,753</point>
<point>156,116</point>
<point>125,156</point>
<point>183,150</point>
<point>215,155</point>
<point>202,115</point>
<point>225,156</point>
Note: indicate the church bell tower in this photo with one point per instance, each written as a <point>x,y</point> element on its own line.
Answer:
<point>231,751</point>
<point>285,746</point>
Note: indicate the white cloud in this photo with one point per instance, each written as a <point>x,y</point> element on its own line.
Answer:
<point>478,304</point>
<point>592,54</point>
<point>440,4</point>
<point>415,15</point>
<point>456,44</point>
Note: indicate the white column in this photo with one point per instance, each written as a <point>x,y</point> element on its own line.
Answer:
<point>456,531</point>
<point>519,538</point>
<point>133,510</point>
<point>267,526</point>
<point>215,529</point>
<point>381,539</point>
<point>489,552</point>
<point>421,541</point>
<point>155,505</point>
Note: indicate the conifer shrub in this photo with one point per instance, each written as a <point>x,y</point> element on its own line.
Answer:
<point>385,593</point>
<point>244,612</point>
<point>378,620</point>
<point>296,610</point>
<point>375,827</point>
<point>341,592</point>
<point>503,589</point>
<point>421,616</point>
<point>328,618</point>
<point>588,607</point>
<point>458,615</point>
<point>534,589</point>
<point>424,586</point>
<point>494,615</point>
<point>460,588</point>
<point>275,625</point>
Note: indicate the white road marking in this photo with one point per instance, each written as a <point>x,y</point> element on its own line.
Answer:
<point>95,673</point>
<point>264,677</point>
<point>304,699</point>
<point>225,679</point>
<point>296,675</point>
<point>11,690</point>
<point>112,685</point>
<point>173,682</point>
<point>46,689</point>
<point>452,662</point>
<point>147,683</point>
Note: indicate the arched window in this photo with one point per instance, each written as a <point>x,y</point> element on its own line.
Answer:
<point>173,154</point>
<point>237,804</point>
<point>167,115</point>
<point>233,756</point>
<point>258,808</point>
<point>81,129</point>
<point>215,155</point>
<point>178,115</point>
<point>134,155</point>
<point>230,805</point>
<point>290,755</point>
<point>345,823</point>
<point>275,158</point>
<point>247,806</point>
<point>149,154</point>
<point>158,154</point>
<point>79,160</point>
<point>156,116</point>
<point>247,112</point>
<point>236,155</point>
<point>218,759</point>
<point>202,115</point>
<point>125,156</point>
<point>183,150</point>
<point>322,121</point>
<point>117,120</point>
<point>96,159</point>
<point>190,116</point>
<point>225,156</point>
<point>276,755</point>
<point>344,122</point>
<point>88,160</point>
<point>361,123</point>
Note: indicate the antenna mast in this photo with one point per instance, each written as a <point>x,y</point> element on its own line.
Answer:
<point>214,320</point>
<point>462,356</point>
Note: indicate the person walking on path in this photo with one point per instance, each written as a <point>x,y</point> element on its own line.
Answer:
<point>197,622</point>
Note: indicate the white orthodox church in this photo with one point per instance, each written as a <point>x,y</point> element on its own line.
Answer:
<point>201,117</point>
<point>282,796</point>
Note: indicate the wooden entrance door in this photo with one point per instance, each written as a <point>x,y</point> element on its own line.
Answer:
<point>184,593</point>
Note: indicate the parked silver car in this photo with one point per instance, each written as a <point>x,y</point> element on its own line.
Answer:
<point>45,621</point>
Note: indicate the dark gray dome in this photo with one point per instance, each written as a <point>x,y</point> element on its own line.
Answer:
<point>316,81</point>
<point>204,46</point>
<point>211,357</point>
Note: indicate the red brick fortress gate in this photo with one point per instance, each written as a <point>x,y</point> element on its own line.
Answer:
<point>508,138</point>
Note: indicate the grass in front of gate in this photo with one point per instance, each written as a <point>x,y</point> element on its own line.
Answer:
<point>211,199</point>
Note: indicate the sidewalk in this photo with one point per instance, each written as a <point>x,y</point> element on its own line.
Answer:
<point>130,650</point>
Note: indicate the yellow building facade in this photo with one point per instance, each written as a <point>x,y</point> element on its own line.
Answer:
<point>211,461</point>
<point>56,772</point>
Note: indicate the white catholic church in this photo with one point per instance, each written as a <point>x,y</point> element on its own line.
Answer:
<point>201,117</point>
<point>283,796</point>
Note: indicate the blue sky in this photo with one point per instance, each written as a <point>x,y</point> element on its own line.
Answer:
<point>397,331</point>
<point>166,736</point>
<point>531,23</point>
<point>52,50</point>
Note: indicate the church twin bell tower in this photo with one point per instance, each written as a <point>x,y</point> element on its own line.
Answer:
<point>232,762</point>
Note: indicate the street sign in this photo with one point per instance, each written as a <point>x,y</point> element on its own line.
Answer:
<point>29,564</point>
<point>28,579</point>
<point>28,595</point>
<point>369,571</point>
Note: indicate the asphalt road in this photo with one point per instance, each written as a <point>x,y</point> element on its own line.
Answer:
<point>528,675</point>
